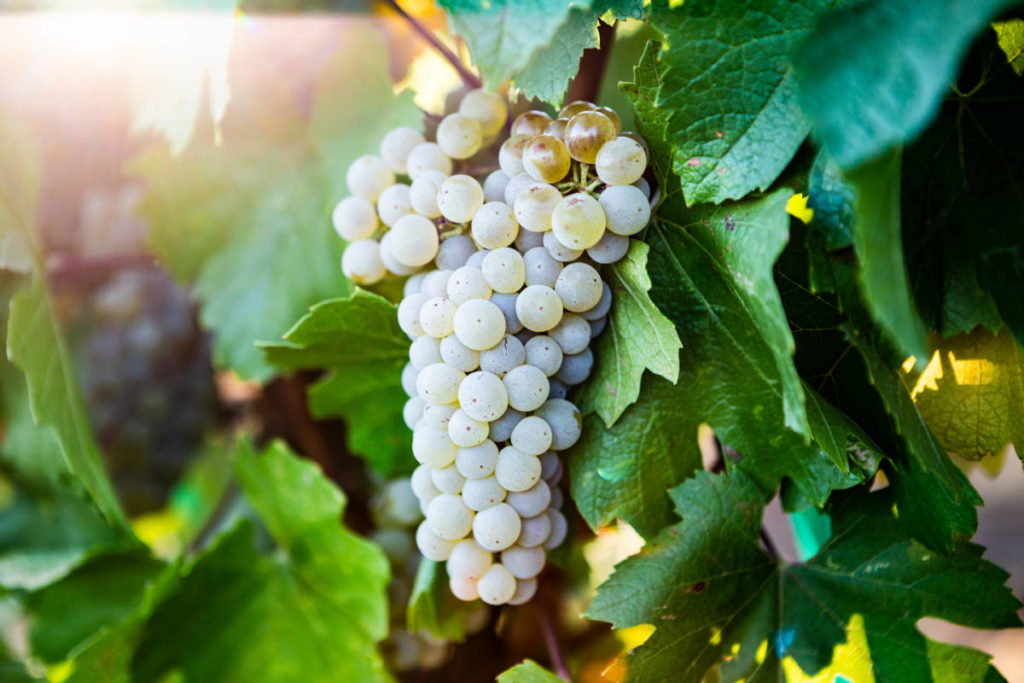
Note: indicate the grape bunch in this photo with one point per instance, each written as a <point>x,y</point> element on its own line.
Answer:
<point>503,296</point>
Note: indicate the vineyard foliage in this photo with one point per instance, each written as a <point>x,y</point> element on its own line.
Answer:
<point>831,284</point>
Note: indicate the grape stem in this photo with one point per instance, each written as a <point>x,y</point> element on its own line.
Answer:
<point>551,643</point>
<point>468,77</point>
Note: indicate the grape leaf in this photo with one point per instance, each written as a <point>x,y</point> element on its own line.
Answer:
<point>359,340</point>
<point>728,91</point>
<point>255,234</point>
<point>433,608</point>
<point>547,75</point>
<point>716,599</point>
<point>313,611</point>
<point>871,75</point>
<point>1011,41</point>
<point>638,337</point>
<point>971,394</point>
<point>528,671</point>
<point>503,35</point>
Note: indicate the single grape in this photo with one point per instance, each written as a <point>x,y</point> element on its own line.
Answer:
<point>627,209</point>
<point>515,187</point>
<point>438,384</point>
<point>494,186</point>
<point>549,464</point>
<point>527,240</point>
<point>546,158</point>
<point>612,116</point>
<point>464,431</point>
<point>559,251</point>
<point>477,259</point>
<point>497,586</point>
<point>621,161</point>
<point>412,411</point>
<point>565,421</point>
<point>597,326</point>
<point>527,388</point>
<point>435,283</point>
<point>415,241</point>
<point>423,193</point>
<point>525,590</point>
<point>354,219</point>
<point>432,447</point>
<point>368,176</point>
<point>409,314</point>
<point>394,203</point>
<point>535,205</point>
<point>503,356</point>
<point>572,334</point>
<point>437,317</point>
<point>483,396</point>
<point>640,141</point>
<point>410,375</point>
<point>422,482</point>
<point>469,560</point>
<point>477,323</point>
<point>458,355</point>
<point>487,108</point>
<point>556,493</point>
<point>530,123</point>
<point>559,529</point>
<point>449,518</point>
<point>387,256</point>
<point>541,267</point>
<point>555,476</point>
<point>535,530</point>
<point>361,262</point>
<point>557,389</point>
<point>510,155</point>
<point>570,110</point>
<point>578,221</point>
<point>611,248</point>
<point>495,528</point>
<point>604,304</point>
<point>463,588</point>
<point>538,307</point>
<point>477,462</point>
<point>644,187</point>
<point>427,157</point>
<point>424,351</point>
<point>515,470</point>
<point>413,284</point>
<point>432,546</point>
<point>576,368</point>
<point>523,563</point>
<point>501,429</point>
<point>480,494</point>
<point>544,353</point>
<point>454,252</point>
<point>459,198</point>
<point>556,128</point>
<point>504,270</point>
<point>532,436</point>
<point>586,133</point>
<point>459,136</point>
<point>438,417</point>
<point>579,285</point>
<point>494,225</point>
<point>506,303</point>
<point>468,283</point>
<point>448,480</point>
<point>396,145</point>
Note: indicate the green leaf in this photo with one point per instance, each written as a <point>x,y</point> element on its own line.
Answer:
<point>877,240</point>
<point>639,337</point>
<point>359,340</point>
<point>729,93</point>
<point>313,611</point>
<point>503,35</point>
<point>1011,41</point>
<point>433,608</point>
<point>249,220</point>
<point>716,599</point>
<point>547,75</point>
<point>872,74</point>
<point>528,671</point>
<point>36,346</point>
<point>650,119</point>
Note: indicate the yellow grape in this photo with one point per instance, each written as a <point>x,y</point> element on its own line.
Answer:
<point>586,133</point>
<point>546,158</point>
<point>530,123</point>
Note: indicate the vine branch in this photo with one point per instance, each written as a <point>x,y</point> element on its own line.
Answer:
<point>468,77</point>
<point>551,643</point>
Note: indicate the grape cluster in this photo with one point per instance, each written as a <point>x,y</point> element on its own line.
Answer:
<point>503,297</point>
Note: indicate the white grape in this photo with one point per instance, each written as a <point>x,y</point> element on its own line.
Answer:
<point>413,284</point>
<point>459,136</point>
<point>541,268</point>
<point>497,586</point>
<point>579,285</point>
<point>597,326</point>
<point>422,482</point>
<point>525,590</point>
<point>572,334</point>
<point>354,219</point>
<point>415,241</point>
<point>494,186</point>
<point>448,480</point>
<point>449,518</point>
<point>644,187</point>
<point>533,501</point>
<point>437,317</point>
<point>620,161</point>
<point>435,284</point>
<point>423,193</point>
<point>476,259</point>
<point>409,314</point>
<point>628,211</point>
<point>515,470</point>
<point>410,375</point>
<point>539,308</point>
<point>527,388</point>
<point>510,155</point>
<point>396,145</point>
<point>604,304</point>
<point>394,203</point>
<point>535,206</point>
<point>504,270</point>
<point>438,384</point>
<point>495,528</point>
<point>544,353</point>
<point>503,356</point>
<point>412,411</point>
<point>559,530</point>
<point>559,251</point>
<point>523,563</point>
<point>454,252</point>
<point>467,283</point>
<point>463,588</point>
<point>432,546</point>
<point>427,157</point>
<point>480,494</point>
<point>424,351</point>
<point>557,388</point>
<point>483,396</point>
<point>465,432</point>
<point>387,256</point>
<point>368,176</point>
<point>487,108</point>
<point>549,463</point>
<point>458,355</point>
<point>565,421</point>
<point>361,262</point>
<point>532,436</point>
<point>459,198</point>
<point>556,493</point>
<point>576,367</point>
<point>556,474</point>
<point>516,185</point>
<point>438,417</point>
<point>535,530</point>
<point>611,248</point>
<point>477,323</point>
<point>506,303</point>
<point>469,560</point>
<point>527,240</point>
<point>501,429</point>
<point>477,462</point>
<point>494,225</point>
<point>578,221</point>
<point>432,447</point>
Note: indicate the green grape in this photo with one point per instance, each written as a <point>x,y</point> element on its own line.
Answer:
<point>578,221</point>
<point>621,161</point>
<point>530,123</point>
<point>586,133</point>
<point>546,158</point>
<point>534,206</point>
<point>459,136</point>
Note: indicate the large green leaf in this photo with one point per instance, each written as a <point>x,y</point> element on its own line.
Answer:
<point>716,599</point>
<point>359,340</point>
<point>1011,41</point>
<point>871,75</point>
<point>728,91</point>
<point>313,611</point>
<point>248,220</point>
<point>639,337</point>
